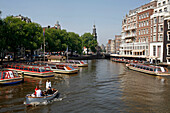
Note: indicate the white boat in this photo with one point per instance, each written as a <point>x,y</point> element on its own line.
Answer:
<point>149,69</point>
<point>32,100</point>
<point>78,63</point>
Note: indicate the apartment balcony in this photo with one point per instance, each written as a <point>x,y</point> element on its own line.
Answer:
<point>130,28</point>
<point>130,36</point>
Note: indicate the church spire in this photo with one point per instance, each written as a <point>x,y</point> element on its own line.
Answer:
<point>94,32</point>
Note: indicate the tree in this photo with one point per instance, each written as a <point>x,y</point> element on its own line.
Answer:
<point>33,37</point>
<point>73,42</point>
<point>89,42</point>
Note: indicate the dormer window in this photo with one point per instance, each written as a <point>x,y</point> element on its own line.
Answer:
<point>159,4</point>
<point>164,2</point>
<point>160,10</point>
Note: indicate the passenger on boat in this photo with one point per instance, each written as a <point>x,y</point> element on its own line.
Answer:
<point>48,84</point>
<point>49,91</point>
<point>44,93</point>
<point>38,93</point>
<point>36,89</point>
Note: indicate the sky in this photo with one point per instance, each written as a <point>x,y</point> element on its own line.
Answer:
<point>75,15</point>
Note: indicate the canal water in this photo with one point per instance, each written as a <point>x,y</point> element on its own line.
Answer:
<point>102,87</point>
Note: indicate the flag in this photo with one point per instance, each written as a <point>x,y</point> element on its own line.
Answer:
<point>44,32</point>
<point>67,49</point>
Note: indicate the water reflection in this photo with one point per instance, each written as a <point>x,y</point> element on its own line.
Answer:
<point>144,93</point>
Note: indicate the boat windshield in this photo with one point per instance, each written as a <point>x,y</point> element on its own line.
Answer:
<point>47,69</point>
<point>3,76</point>
<point>77,62</point>
<point>157,70</point>
<point>42,69</point>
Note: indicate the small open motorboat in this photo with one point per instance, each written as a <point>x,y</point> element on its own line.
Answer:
<point>10,77</point>
<point>32,100</point>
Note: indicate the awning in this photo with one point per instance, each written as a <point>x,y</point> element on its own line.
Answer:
<point>138,50</point>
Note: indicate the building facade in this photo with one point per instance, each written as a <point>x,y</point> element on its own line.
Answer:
<point>26,19</point>
<point>110,47</point>
<point>117,43</point>
<point>136,31</point>
<point>157,30</point>
<point>166,42</point>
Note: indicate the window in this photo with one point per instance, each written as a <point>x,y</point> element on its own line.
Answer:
<point>147,14</point>
<point>168,49</point>
<point>154,29</point>
<point>160,37</point>
<point>154,50</point>
<point>165,9</point>
<point>139,32</point>
<point>134,24</point>
<point>154,37</point>
<point>164,2</point>
<point>146,39</point>
<point>155,20</point>
<point>159,4</point>
<point>151,39</point>
<point>144,31</point>
<point>147,31</point>
<point>144,23</point>
<point>161,19</point>
<point>168,24</point>
<point>161,28</point>
<point>160,10</point>
<point>159,51</point>
<point>147,22</point>
<point>168,36</point>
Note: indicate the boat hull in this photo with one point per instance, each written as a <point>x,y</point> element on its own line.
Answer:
<point>34,74</point>
<point>65,72</point>
<point>34,100</point>
<point>82,65</point>
<point>147,72</point>
<point>11,81</point>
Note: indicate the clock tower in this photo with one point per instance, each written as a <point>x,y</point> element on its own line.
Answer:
<point>94,32</point>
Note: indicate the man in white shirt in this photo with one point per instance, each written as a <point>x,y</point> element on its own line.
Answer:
<point>48,84</point>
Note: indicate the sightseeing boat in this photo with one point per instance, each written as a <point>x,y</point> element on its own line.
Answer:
<point>62,68</point>
<point>31,99</point>
<point>37,71</point>
<point>10,77</point>
<point>78,63</point>
<point>120,60</point>
<point>149,69</point>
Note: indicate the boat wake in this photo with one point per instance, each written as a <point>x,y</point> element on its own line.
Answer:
<point>44,103</point>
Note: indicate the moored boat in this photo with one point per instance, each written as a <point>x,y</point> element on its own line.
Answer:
<point>62,68</point>
<point>37,71</point>
<point>10,77</point>
<point>33,100</point>
<point>149,69</point>
<point>78,63</point>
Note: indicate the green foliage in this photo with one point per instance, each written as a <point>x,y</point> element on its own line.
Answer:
<point>15,34</point>
<point>89,42</point>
